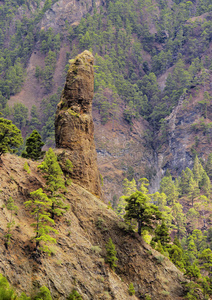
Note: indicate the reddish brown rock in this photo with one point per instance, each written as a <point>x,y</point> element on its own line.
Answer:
<point>74,129</point>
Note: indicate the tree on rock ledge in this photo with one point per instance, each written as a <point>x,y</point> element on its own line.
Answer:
<point>139,209</point>
<point>10,137</point>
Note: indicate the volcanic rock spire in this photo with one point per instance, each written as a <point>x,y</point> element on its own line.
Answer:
<point>74,129</point>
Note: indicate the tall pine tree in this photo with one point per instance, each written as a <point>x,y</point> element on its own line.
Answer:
<point>39,205</point>
<point>55,183</point>
<point>34,146</point>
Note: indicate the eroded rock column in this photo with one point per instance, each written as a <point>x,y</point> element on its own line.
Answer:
<point>74,129</point>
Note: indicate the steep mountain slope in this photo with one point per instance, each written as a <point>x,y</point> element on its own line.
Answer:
<point>77,258</point>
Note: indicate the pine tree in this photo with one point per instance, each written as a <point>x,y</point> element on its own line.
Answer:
<point>192,218</point>
<point>192,271</point>
<point>34,122</point>
<point>176,255</point>
<point>208,167</point>
<point>13,209</point>
<point>168,187</point>
<point>129,187</point>
<point>184,181</point>
<point>193,190</point>
<point>34,145</point>
<point>197,170</point>
<point>10,137</point>
<point>192,249</point>
<point>159,247</point>
<point>160,200</point>
<point>205,259</point>
<point>144,185</point>
<point>111,254</point>
<point>55,183</point>
<point>39,205</point>
<point>20,115</point>
<point>139,209</point>
<point>198,238</point>
<point>206,184</point>
<point>6,292</point>
<point>179,219</point>
<point>162,235</point>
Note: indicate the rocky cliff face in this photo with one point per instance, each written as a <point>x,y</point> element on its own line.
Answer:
<point>77,260</point>
<point>74,129</point>
<point>121,153</point>
<point>189,132</point>
<point>67,12</point>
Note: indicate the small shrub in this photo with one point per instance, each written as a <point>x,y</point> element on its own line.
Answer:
<point>43,294</point>
<point>74,296</point>
<point>68,222</point>
<point>59,262</point>
<point>101,179</point>
<point>165,293</point>
<point>69,165</point>
<point>107,295</point>
<point>109,205</point>
<point>159,259</point>
<point>149,252</point>
<point>131,289</point>
<point>52,250</point>
<point>99,223</point>
<point>12,179</point>
<point>111,254</point>
<point>147,297</point>
<point>26,168</point>
<point>101,278</point>
<point>123,226</point>
<point>96,249</point>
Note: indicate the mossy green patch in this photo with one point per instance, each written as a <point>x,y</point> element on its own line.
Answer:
<point>73,113</point>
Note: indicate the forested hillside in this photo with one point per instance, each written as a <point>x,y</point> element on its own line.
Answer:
<point>152,111</point>
<point>148,54</point>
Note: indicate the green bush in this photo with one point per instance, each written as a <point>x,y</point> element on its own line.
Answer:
<point>43,294</point>
<point>131,289</point>
<point>111,254</point>
<point>74,296</point>
<point>26,167</point>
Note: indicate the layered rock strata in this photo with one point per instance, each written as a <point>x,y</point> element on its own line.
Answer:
<point>74,129</point>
